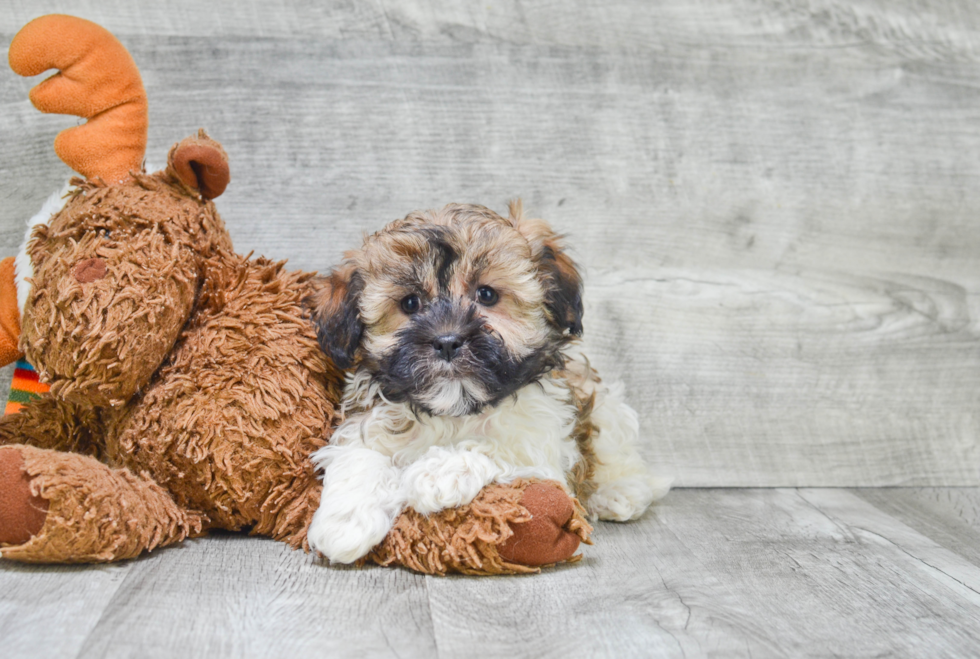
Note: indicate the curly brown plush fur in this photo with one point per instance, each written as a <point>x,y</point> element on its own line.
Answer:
<point>187,385</point>
<point>84,523</point>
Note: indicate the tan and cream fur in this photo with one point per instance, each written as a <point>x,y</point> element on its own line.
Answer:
<point>461,329</point>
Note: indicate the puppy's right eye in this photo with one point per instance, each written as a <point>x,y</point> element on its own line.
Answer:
<point>411,303</point>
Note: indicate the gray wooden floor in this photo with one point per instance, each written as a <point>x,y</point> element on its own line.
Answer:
<point>712,572</point>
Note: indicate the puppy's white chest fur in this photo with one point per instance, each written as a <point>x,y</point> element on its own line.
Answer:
<point>528,435</point>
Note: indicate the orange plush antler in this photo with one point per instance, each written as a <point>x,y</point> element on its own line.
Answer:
<point>98,80</point>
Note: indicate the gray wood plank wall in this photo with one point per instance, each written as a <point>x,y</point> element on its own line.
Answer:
<point>774,201</point>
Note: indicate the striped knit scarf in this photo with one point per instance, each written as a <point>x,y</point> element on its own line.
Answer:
<point>24,387</point>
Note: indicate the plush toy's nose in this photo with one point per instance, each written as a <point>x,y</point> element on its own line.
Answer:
<point>9,314</point>
<point>89,270</point>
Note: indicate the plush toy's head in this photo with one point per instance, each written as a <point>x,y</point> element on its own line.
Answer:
<point>108,282</point>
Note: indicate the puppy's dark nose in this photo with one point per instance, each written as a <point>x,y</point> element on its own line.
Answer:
<point>447,345</point>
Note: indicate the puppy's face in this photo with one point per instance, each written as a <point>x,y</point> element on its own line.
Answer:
<point>452,310</point>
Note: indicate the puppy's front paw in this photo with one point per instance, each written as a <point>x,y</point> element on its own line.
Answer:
<point>447,479</point>
<point>628,497</point>
<point>344,538</point>
<point>361,499</point>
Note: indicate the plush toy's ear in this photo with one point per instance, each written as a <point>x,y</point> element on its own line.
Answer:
<point>556,271</point>
<point>336,315</point>
<point>98,80</point>
<point>200,163</point>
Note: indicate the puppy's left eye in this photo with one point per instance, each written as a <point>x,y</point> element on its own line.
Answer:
<point>487,296</point>
<point>411,303</point>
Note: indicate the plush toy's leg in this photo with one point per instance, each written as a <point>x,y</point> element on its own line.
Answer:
<point>506,529</point>
<point>52,423</point>
<point>292,521</point>
<point>93,513</point>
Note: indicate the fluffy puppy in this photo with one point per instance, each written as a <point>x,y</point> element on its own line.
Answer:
<point>459,327</point>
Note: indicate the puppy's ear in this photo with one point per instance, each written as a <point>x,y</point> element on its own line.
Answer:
<point>334,306</point>
<point>563,288</point>
<point>556,271</point>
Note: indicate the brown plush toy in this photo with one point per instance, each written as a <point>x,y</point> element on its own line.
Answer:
<point>187,387</point>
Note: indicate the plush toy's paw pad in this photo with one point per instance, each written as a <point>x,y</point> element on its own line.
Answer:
<point>21,513</point>
<point>544,539</point>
